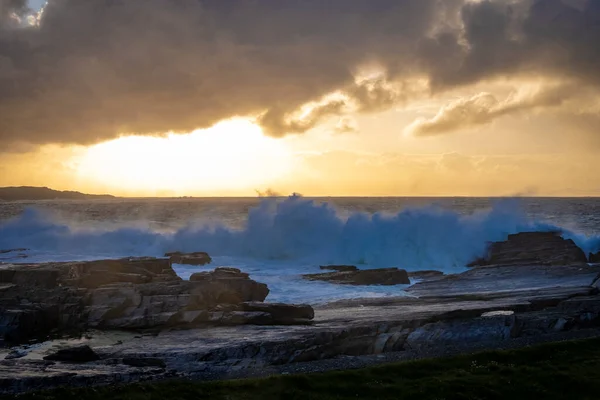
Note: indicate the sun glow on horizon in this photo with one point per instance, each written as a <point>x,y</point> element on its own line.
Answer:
<point>231,155</point>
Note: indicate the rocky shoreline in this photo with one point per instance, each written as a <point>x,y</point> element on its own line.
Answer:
<point>37,300</point>
<point>135,320</point>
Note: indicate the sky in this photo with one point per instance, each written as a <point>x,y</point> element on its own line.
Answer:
<point>324,98</point>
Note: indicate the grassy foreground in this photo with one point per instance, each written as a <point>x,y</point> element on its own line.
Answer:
<point>567,370</point>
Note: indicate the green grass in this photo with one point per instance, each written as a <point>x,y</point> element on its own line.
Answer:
<point>567,370</point>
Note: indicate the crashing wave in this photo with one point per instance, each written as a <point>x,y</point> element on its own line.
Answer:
<point>297,229</point>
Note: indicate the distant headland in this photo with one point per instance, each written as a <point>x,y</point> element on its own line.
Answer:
<point>44,193</point>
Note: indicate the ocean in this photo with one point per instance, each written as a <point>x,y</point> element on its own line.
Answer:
<point>278,239</point>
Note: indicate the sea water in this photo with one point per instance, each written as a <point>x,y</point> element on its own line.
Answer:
<point>276,240</point>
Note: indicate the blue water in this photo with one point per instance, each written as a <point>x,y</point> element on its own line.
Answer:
<point>276,240</point>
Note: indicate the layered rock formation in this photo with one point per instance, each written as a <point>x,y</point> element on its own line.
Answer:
<point>533,248</point>
<point>139,293</point>
<point>483,307</point>
<point>350,275</point>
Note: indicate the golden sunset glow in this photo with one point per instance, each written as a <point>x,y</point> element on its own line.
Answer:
<point>423,98</point>
<point>232,154</point>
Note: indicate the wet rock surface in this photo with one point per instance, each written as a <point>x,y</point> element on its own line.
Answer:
<point>483,307</point>
<point>197,258</point>
<point>347,276</point>
<point>135,293</point>
<point>533,248</point>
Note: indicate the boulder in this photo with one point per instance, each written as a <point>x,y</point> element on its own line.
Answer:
<point>382,276</point>
<point>226,286</point>
<point>339,268</point>
<point>532,248</point>
<point>197,258</point>
<point>160,304</point>
<point>594,258</point>
<point>78,354</point>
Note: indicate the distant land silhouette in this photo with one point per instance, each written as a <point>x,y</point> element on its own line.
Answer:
<point>44,193</point>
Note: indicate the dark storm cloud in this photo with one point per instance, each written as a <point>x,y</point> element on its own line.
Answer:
<point>11,11</point>
<point>94,69</point>
<point>501,38</point>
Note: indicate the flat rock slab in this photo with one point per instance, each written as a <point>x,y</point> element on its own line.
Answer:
<point>345,275</point>
<point>494,281</point>
<point>484,305</point>
<point>133,293</point>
